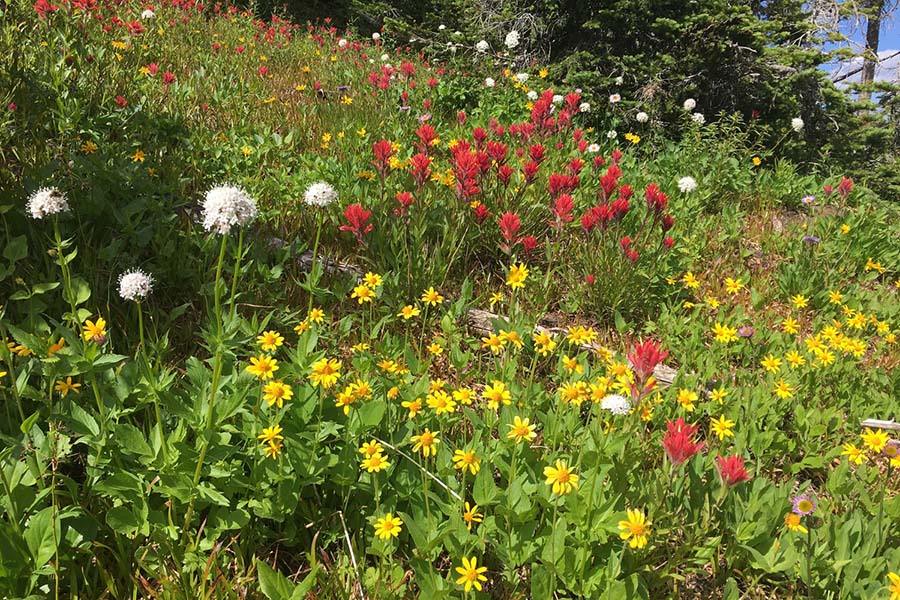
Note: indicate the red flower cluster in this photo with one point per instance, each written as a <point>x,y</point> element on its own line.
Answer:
<point>357,222</point>
<point>678,441</point>
<point>731,470</point>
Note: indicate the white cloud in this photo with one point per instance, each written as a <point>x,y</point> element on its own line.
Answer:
<point>885,70</point>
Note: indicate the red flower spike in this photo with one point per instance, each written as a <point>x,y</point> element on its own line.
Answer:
<point>678,442</point>
<point>357,222</point>
<point>731,470</point>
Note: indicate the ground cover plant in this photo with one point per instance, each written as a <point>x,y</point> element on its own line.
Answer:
<point>281,321</point>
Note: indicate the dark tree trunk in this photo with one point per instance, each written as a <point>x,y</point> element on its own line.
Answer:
<point>873,32</point>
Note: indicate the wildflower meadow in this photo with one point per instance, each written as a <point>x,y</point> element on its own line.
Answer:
<point>291,312</point>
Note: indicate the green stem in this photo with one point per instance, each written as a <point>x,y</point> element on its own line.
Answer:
<point>145,360</point>
<point>313,278</point>
<point>237,270</point>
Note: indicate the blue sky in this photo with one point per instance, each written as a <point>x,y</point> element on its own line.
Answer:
<point>888,45</point>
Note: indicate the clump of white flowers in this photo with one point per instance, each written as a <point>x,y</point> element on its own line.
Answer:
<point>148,14</point>
<point>385,58</point>
<point>442,27</point>
<point>226,206</point>
<point>594,148</point>
<point>616,404</point>
<point>642,117</point>
<point>620,80</point>
<point>342,43</point>
<point>482,46</point>
<point>687,184</point>
<point>584,107</point>
<point>489,82</point>
<point>47,201</point>
<point>557,98</point>
<point>797,124</point>
<point>689,104</point>
<point>135,285</point>
<point>376,36</point>
<point>522,77</point>
<point>698,118</point>
<point>613,98</point>
<point>512,39</point>
<point>532,95</point>
<point>320,194</point>
<point>611,134</point>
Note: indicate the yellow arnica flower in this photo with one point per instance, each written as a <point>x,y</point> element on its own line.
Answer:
<point>561,478</point>
<point>771,363</point>
<point>426,443</point>
<point>894,587</point>
<point>262,366</point>
<point>792,522</point>
<point>464,396</point>
<point>493,342</point>
<point>543,343</point>
<point>636,528</point>
<point>790,326</point>
<point>388,526</point>
<point>718,395</point>
<point>470,574</point>
<point>316,315</point>
<point>783,389</point>
<point>521,429</point>
<point>496,394</point>
<point>512,337</point>
<point>686,399</point>
<point>371,448</point>
<point>854,454</point>
<point>440,402</point>
<point>733,286</point>
<point>721,427</point>
<point>799,301</point>
<point>581,335</point>
<point>375,463</point>
<point>95,331</point>
<point>724,334</point>
<point>465,460</point>
<point>408,312</point>
<point>325,372</point>
<point>276,392</point>
<point>363,293</point>
<point>271,434</point>
<point>64,387</point>
<point>373,280</point>
<point>414,406</point>
<point>471,515</point>
<point>273,449</point>
<point>690,281</point>
<point>875,440</point>
<point>431,297</point>
<point>269,341</point>
<point>516,276</point>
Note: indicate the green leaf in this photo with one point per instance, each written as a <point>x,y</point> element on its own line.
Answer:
<point>82,421</point>
<point>212,494</point>
<point>81,291</point>
<point>131,440</point>
<point>305,586</point>
<point>371,413</point>
<point>273,584</point>
<point>16,249</point>
<point>484,490</point>
<point>28,423</point>
<point>122,520</point>
<point>40,534</point>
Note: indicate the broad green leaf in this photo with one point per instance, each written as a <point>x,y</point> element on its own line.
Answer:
<point>272,583</point>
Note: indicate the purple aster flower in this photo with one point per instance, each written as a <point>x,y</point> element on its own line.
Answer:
<point>405,108</point>
<point>808,200</point>
<point>341,88</point>
<point>811,239</point>
<point>803,505</point>
<point>746,331</point>
<point>891,449</point>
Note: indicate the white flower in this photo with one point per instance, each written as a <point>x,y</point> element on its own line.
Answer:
<point>620,80</point>
<point>342,43</point>
<point>489,81</point>
<point>613,98</point>
<point>557,98</point>
<point>642,117</point>
<point>698,118</point>
<point>376,36</point>
<point>442,27</point>
<point>320,194</point>
<point>482,46</point>
<point>611,134</point>
<point>148,14</point>
<point>594,148</point>
<point>512,39</point>
<point>532,95</point>
<point>616,404</point>
<point>384,57</point>
<point>135,285</point>
<point>797,124</point>
<point>584,107</point>
<point>451,46</point>
<point>687,184</point>
<point>226,206</point>
<point>47,201</point>
<point>690,104</point>
<point>577,90</point>
<point>457,33</point>
<point>521,77</point>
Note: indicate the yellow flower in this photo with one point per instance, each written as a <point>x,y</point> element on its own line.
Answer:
<point>561,478</point>
<point>496,394</point>
<point>440,402</point>
<point>393,393</point>
<point>271,434</point>
<point>431,297</point>
<point>373,280</point>
<point>138,156</point>
<point>512,337</point>
<point>363,293</point>
<point>790,326</point>
<point>262,366</point>
<point>347,100</point>
<point>64,387</point>
<point>783,389</point>
<point>464,396</point>
<point>516,276</point>
<point>543,73</point>
<point>496,297</point>
<point>835,297</point>
<point>426,443</point>
<point>521,429</point>
<point>854,454</point>
<point>301,327</point>
<point>388,526</point>
<point>408,312</point>
<point>724,333</point>
<point>470,574</point>
<point>361,132</point>
<point>54,348</point>
<point>712,302</point>
<point>874,266</point>
<point>721,427</point>
<point>316,315</point>
<point>771,363</point>
<point>636,528</point>
<point>273,449</point>
<point>845,229</point>
<point>543,343</point>
<point>344,400</point>
<point>466,460</point>
<point>276,392</point>
<point>686,399</point>
<point>875,440</point>
<point>269,341</point>
<point>574,393</point>
<point>733,286</point>
<point>95,331</point>
<point>581,335</point>
<point>471,515</point>
<point>89,147</point>
<point>572,365</point>
<point>246,150</point>
<point>756,161</point>
<point>371,448</point>
<point>718,394</point>
<point>494,342</point>
<point>325,372</point>
<point>375,463</point>
<point>795,359</point>
<point>792,522</point>
<point>690,281</point>
<point>414,406</point>
<point>799,301</point>
<point>894,588</point>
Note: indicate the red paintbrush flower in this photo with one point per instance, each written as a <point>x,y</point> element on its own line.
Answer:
<point>357,222</point>
<point>678,442</point>
<point>509,228</point>
<point>383,151</point>
<point>731,469</point>
<point>645,357</point>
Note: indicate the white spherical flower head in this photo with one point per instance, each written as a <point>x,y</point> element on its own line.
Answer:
<point>557,98</point>
<point>384,57</point>
<point>521,77</point>
<point>135,285</point>
<point>482,46</point>
<point>611,134</point>
<point>797,124</point>
<point>442,27</point>
<point>489,82</point>
<point>226,206</point>
<point>687,184</point>
<point>148,14</point>
<point>584,107</point>
<point>698,118</point>
<point>46,202</point>
<point>342,43</point>
<point>620,80</point>
<point>689,104</point>
<point>512,39</point>
<point>616,404</point>
<point>376,36</point>
<point>320,194</point>
<point>532,95</point>
<point>594,148</point>
<point>642,117</point>
<point>614,98</point>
